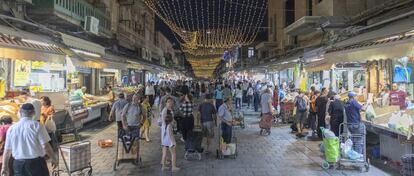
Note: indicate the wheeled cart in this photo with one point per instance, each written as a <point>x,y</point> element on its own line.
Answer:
<point>226,150</point>
<point>76,159</point>
<point>357,133</point>
<point>125,146</point>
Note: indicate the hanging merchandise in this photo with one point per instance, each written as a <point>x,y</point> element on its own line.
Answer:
<point>303,81</point>
<point>2,88</point>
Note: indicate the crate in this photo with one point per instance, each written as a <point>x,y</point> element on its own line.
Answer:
<point>105,143</point>
<point>76,156</point>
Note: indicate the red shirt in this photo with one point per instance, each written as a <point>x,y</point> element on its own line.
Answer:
<point>397,98</point>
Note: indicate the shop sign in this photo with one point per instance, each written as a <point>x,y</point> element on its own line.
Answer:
<point>84,70</point>
<point>109,70</point>
<point>39,65</point>
<point>21,73</point>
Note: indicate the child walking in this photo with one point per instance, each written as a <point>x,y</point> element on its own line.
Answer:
<point>168,142</point>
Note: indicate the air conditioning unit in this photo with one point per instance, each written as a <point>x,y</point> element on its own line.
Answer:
<point>91,25</point>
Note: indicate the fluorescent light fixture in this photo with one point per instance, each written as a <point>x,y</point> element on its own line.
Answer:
<point>37,42</point>
<point>85,53</point>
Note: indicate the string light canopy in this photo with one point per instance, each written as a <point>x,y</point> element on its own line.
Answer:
<point>207,28</point>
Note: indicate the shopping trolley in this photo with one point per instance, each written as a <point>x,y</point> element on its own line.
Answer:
<point>76,159</point>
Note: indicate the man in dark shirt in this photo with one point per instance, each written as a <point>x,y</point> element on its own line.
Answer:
<point>208,119</point>
<point>353,117</point>
<point>336,111</point>
<point>321,102</point>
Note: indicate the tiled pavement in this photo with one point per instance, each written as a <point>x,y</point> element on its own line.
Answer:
<point>278,154</point>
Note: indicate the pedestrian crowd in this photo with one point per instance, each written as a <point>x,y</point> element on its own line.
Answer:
<point>178,106</point>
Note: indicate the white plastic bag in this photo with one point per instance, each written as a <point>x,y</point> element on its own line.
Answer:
<point>50,125</point>
<point>346,147</point>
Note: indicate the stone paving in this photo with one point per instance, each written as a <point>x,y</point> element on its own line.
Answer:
<point>278,154</point>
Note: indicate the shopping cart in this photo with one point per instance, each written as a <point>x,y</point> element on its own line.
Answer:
<point>76,159</point>
<point>286,112</point>
<point>358,138</point>
<point>125,153</point>
<point>226,150</point>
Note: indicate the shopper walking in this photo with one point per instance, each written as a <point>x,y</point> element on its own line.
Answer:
<point>227,91</point>
<point>321,102</point>
<point>250,93</point>
<point>168,143</point>
<point>224,114</point>
<point>147,110</point>
<point>208,120</point>
<point>187,121</point>
<point>218,94</point>
<point>28,142</point>
<point>150,92</point>
<point>116,111</point>
<point>312,112</point>
<point>239,95</point>
<point>336,112</point>
<point>132,120</point>
<point>302,106</point>
<point>5,124</point>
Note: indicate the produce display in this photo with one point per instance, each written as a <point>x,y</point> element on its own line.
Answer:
<point>9,108</point>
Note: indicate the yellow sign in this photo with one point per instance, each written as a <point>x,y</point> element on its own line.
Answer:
<point>22,73</point>
<point>38,65</point>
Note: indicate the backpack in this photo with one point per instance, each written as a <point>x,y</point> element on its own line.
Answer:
<point>301,104</point>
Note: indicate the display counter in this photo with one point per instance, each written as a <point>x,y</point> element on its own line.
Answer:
<point>97,111</point>
<point>393,143</point>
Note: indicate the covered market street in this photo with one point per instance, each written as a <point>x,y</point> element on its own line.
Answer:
<point>278,154</point>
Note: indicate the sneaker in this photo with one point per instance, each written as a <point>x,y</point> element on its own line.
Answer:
<point>182,139</point>
<point>164,168</point>
<point>175,169</point>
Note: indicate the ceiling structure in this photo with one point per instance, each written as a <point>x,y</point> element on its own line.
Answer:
<point>207,28</point>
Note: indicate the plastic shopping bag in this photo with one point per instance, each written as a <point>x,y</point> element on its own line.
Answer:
<point>50,125</point>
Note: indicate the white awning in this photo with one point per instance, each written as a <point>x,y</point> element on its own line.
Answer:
<point>81,44</point>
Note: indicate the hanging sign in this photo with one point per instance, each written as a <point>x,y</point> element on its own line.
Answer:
<point>21,73</point>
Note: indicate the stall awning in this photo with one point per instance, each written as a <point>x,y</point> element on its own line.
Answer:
<point>392,41</point>
<point>12,47</point>
<point>376,50</point>
<point>81,44</point>
<point>320,65</point>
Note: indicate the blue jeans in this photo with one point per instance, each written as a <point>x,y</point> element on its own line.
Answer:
<point>238,103</point>
<point>256,102</point>
<point>226,132</point>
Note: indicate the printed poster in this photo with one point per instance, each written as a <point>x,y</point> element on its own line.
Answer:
<point>22,73</point>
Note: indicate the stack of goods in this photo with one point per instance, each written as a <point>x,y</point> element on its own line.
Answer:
<point>402,122</point>
<point>407,165</point>
<point>9,109</point>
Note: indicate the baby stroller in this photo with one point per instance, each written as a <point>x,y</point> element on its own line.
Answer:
<point>193,147</point>
<point>125,153</point>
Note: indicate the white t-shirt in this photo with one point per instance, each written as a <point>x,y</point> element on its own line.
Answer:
<point>26,139</point>
<point>239,93</point>
<point>149,90</point>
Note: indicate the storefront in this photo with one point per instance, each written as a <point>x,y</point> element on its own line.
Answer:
<point>383,65</point>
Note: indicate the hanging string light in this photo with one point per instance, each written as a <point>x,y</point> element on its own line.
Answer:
<point>206,29</point>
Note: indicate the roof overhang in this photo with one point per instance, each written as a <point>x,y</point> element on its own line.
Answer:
<point>266,45</point>
<point>306,24</point>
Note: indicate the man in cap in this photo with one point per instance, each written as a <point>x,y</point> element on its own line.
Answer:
<point>353,117</point>
<point>28,142</point>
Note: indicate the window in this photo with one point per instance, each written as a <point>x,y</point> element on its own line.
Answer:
<point>310,5</point>
<point>289,12</point>
<point>250,52</point>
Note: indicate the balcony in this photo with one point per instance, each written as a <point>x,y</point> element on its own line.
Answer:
<point>73,13</point>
